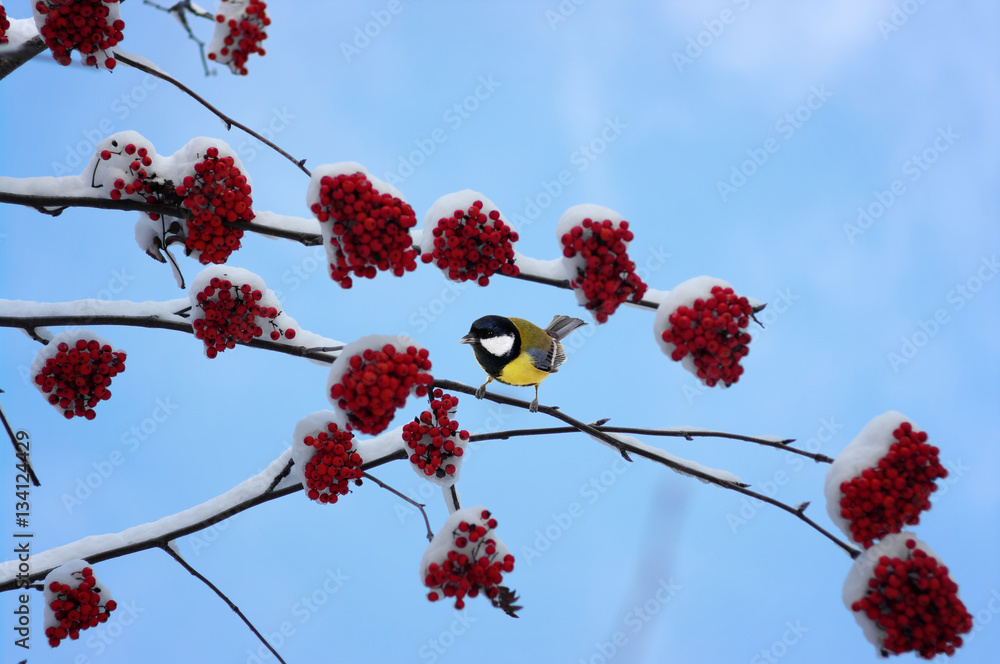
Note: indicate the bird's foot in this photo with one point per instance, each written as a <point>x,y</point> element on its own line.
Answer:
<point>481,392</point>
<point>533,406</point>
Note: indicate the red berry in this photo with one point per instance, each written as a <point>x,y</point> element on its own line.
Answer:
<point>75,608</point>
<point>435,439</point>
<point>333,465</point>
<point>217,194</point>
<point>227,314</point>
<point>884,499</point>
<point>377,382</point>
<point>471,245</point>
<point>239,33</point>
<point>365,230</point>
<point>77,380</point>
<point>77,24</point>
<point>605,275</point>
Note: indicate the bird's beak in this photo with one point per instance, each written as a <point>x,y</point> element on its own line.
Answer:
<point>467,339</point>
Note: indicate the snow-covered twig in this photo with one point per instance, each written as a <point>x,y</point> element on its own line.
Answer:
<point>158,534</point>
<point>29,315</point>
<point>230,123</point>
<point>198,575</point>
<point>12,58</point>
<point>55,205</point>
<point>687,434</point>
<point>628,444</point>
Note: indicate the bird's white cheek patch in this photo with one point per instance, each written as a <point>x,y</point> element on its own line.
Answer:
<point>498,346</point>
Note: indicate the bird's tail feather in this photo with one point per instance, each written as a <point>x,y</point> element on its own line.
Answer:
<point>561,326</point>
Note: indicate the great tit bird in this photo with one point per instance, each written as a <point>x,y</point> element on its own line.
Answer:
<point>517,352</point>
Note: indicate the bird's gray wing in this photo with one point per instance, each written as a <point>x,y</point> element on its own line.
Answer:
<point>548,360</point>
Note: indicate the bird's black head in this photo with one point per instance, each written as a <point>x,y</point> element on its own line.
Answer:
<point>495,341</point>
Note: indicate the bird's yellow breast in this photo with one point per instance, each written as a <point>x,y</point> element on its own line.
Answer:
<point>521,371</point>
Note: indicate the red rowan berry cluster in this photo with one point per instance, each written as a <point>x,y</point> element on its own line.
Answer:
<point>368,230</point>
<point>240,33</point>
<point>77,608</point>
<point>78,375</point>
<point>435,438</point>
<point>916,603</point>
<point>231,316</point>
<point>607,277</point>
<point>333,465</point>
<point>472,245</point>
<point>377,382</point>
<point>891,495</point>
<point>710,330</point>
<point>472,565</point>
<point>138,180</point>
<point>81,25</point>
<point>4,25</point>
<point>217,193</point>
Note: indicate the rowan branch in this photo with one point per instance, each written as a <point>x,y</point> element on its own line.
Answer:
<point>20,451</point>
<point>653,454</point>
<point>198,575</point>
<point>229,122</point>
<point>173,527</point>
<point>153,321</point>
<point>687,434</point>
<point>14,58</point>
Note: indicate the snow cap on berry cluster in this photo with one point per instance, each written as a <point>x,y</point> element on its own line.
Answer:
<point>374,342</point>
<point>102,173</point>
<point>869,447</point>
<point>452,537</point>
<point>240,29</point>
<point>92,27</point>
<point>71,573</point>
<point>283,325</point>
<point>51,351</point>
<point>861,579</point>
<point>631,285</point>
<point>475,267</point>
<point>684,295</point>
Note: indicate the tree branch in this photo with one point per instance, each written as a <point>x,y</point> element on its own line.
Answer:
<point>230,123</point>
<point>20,451</point>
<point>196,574</point>
<point>687,434</point>
<point>14,58</point>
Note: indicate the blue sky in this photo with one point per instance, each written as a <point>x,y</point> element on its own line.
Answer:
<point>829,107</point>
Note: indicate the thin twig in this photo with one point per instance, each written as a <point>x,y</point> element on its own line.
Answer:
<point>548,410</point>
<point>564,283</point>
<point>230,123</point>
<point>419,506</point>
<point>280,476</point>
<point>201,577</point>
<point>625,447</point>
<point>177,10</point>
<point>19,451</point>
<point>688,435</point>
